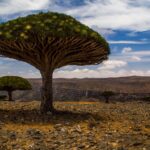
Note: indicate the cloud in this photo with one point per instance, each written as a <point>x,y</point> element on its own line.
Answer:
<point>132,34</point>
<point>87,73</point>
<point>135,58</point>
<point>129,55</point>
<point>103,31</point>
<point>115,14</point>
<point>108,14</point>
<point>129,51</point>
<point>126,50</point>
<point>23,73</point>
<point>112,64</point>
<point>16,6</point>
<point>128,42</point>
<point>142,53</point>
<point>110,68</point>
<point>5,59</point>
<point>13,67</point>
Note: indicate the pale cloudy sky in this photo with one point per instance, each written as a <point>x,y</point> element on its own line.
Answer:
<point>124,23</point>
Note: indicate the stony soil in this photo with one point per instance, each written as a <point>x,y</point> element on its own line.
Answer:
<point>78,126</point>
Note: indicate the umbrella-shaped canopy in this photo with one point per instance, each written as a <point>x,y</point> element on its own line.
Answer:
<point>51,40</point>
<point>63,39</point>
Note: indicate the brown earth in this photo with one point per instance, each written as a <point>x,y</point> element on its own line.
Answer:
<point>78,125</point>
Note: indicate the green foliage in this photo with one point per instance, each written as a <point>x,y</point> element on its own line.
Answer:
<point>12,83</point>
<point>50,23</point>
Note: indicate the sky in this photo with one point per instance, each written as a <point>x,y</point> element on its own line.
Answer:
<point>125,24</point>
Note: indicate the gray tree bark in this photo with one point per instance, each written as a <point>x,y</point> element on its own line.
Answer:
<point>10,96</point>
<point>47,93</point>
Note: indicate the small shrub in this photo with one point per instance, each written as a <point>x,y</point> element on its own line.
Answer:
<point>2,97</point>
<point>107,95</point>
<point>147,98</point>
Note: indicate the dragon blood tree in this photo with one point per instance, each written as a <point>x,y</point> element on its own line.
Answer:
<point>49,41</point>
<point>13,83</point>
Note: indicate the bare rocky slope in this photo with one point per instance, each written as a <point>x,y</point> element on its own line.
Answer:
<point>133,87</point>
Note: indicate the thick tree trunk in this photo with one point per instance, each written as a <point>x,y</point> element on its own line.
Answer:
<point>47,93</point>
<point>10,96</point>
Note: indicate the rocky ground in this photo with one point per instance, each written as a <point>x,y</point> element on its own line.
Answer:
<point>78,126</point>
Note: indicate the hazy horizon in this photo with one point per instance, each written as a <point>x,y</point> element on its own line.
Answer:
<point>97,78</point>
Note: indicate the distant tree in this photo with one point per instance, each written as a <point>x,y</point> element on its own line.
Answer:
<point>49,41</point>
<point>3,97</point>
<point>147,98</point>
<point>107,95</point>
<point>13,83</point>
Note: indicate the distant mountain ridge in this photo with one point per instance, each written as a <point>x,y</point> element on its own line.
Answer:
<point>77,89</point>
<point>133,84</point>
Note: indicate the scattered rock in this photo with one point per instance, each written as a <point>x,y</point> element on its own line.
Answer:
<point>121,148</point>
<point>38,146</point>
<point>36,134</point>
<point>113,128</point>
<point>137,143</point>
<point>63,130</point>
<point>12,135</point>
<point>56,126</point>
<point>2,123</point>
<point>49,113</point>
<point>81,146</point>
<point>147,126</point>
<point>137,129</point>
<point>78,129</point>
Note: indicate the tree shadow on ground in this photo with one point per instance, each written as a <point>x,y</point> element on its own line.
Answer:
<point>34,117</point>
